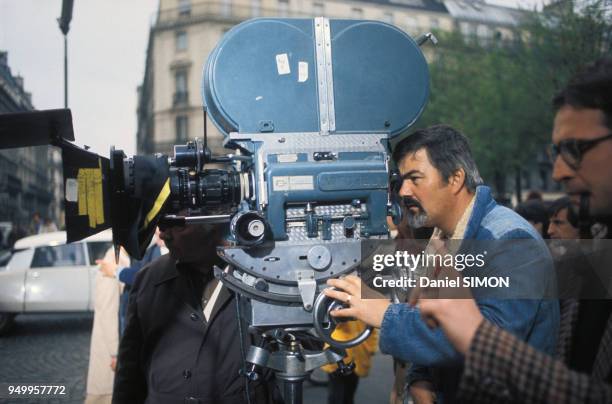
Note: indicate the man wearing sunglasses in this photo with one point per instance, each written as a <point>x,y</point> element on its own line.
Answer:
<point>582,370</point>
<point>182,341</point>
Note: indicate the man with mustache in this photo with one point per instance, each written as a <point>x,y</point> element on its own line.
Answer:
<point>442,188</point>
<point>582,370</point>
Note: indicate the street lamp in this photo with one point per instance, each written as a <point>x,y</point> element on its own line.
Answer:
<point>64,24</point>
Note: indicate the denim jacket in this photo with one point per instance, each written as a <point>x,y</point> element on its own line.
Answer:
<point>404,334</point>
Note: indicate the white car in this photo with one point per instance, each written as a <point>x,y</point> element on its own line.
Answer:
<point>45,274</point>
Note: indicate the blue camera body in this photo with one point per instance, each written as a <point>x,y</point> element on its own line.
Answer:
<point>311,104</point>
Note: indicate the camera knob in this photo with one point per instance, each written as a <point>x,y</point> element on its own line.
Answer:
<point>256,228</point>
<point>349,226</point>
<point>319,257</point>
<point>261,285</point>
<point>249,228</point>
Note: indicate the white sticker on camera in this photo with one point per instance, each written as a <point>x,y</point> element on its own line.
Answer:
<point>302,72</point>
<point>293,183</point>
<point>282,64</point>
<point>72,190</point>
<point>301,183</point>
<point>287,158</point>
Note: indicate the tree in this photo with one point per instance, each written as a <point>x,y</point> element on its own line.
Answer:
<point>498,92</point>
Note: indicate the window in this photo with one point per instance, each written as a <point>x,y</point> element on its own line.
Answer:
<point>66,255</point>
<point>182,130</point>
<point>318,9</point>
<point>184,7</point>
<point>181,81</point>
<point>388,17</point>
<point>255,8</point>
<point>181,40</point>
<point>180,90</point>
<point>464,27</point>
<point>434,23</point>
<point>97,250</point>
<point>283,8</point>
<point>356,13</point>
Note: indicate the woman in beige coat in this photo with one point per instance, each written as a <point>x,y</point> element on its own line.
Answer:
<point>105,334</point>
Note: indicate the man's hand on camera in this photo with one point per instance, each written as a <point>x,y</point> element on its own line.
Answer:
<point>364,303</point>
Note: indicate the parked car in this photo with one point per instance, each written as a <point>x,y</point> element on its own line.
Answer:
<point>45,274</point>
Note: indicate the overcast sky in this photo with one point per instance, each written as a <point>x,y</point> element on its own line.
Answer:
<point>107,45</point>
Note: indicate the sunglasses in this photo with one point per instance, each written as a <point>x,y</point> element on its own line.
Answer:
<point>572,150</point>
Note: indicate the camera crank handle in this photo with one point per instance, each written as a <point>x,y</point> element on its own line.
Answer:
<point>325,324</point>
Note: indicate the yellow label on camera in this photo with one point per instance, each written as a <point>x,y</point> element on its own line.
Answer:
<point>91,200</point>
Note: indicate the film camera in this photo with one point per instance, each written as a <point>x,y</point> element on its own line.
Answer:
<point>308,107</point>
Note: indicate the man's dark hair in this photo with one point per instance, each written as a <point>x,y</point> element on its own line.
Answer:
<point>560,204</point>
<point>590,88</point>
<point>447,149</point>
<point>533,210</point>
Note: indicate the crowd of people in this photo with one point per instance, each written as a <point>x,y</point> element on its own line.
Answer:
<point>37,225</point>
<point>176,337</point>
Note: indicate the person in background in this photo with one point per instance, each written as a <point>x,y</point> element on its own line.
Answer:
<point>48,226</point>
<point>342,387</point>
<point>35,224</point>
<point>576,276</point>
<point>534,195</point>
<point>126,274</point>
<point>536,213</point>
<point>562,225</point>
<point>104,334</point>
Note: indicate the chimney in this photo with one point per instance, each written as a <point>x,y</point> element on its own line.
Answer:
<point>4,58</point>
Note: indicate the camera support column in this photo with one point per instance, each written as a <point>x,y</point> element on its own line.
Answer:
<point>290,363</point>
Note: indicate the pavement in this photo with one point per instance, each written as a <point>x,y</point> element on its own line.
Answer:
<point>54,349</point>
<point>47,349</point>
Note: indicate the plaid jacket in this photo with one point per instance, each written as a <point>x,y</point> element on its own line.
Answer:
<point>500,368</point>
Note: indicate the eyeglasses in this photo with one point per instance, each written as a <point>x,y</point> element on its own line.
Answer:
<point>572,150</point>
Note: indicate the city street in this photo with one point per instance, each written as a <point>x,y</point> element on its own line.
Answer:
<point>54,349</point>
<point>47,349</point>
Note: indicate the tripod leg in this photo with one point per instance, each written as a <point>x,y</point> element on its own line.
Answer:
<point>293,391</point>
